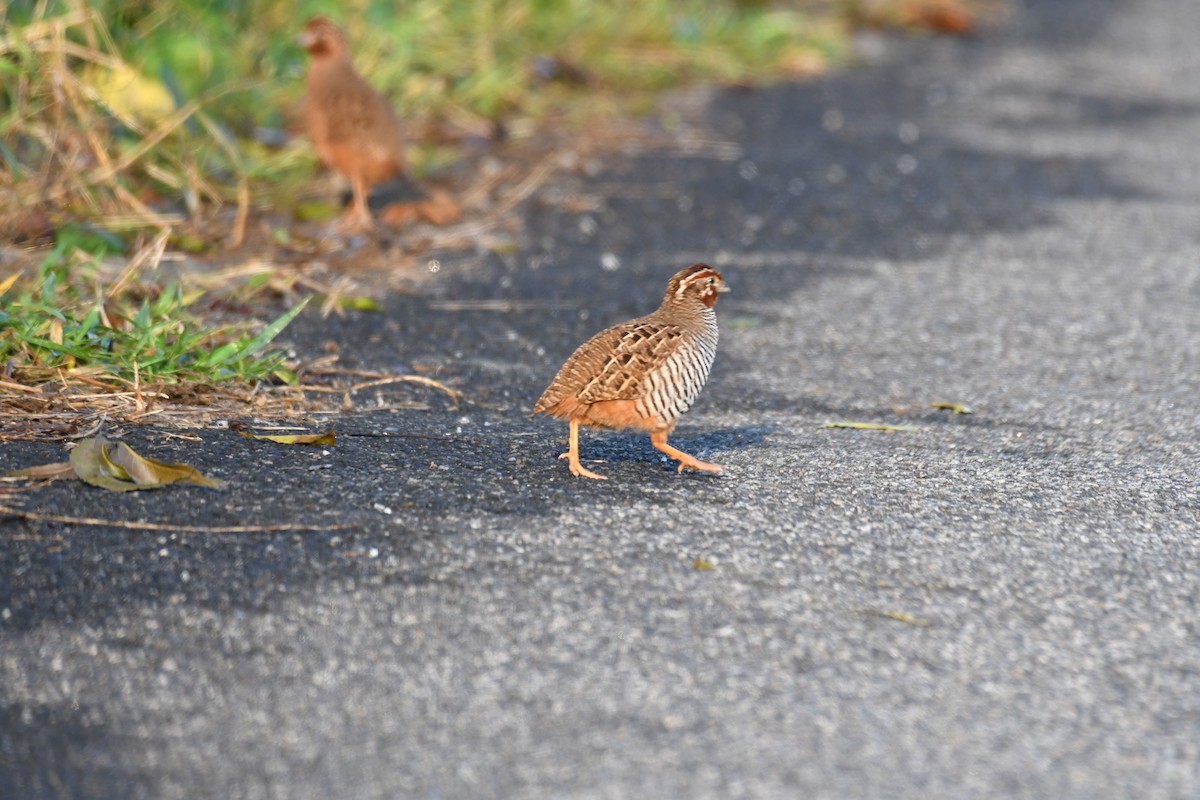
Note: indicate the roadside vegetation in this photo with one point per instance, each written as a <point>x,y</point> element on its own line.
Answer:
<point>133,132</point>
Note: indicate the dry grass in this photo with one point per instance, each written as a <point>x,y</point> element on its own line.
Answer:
<point>77,148</point>
<point>75,409</point>
<point>85,135</point>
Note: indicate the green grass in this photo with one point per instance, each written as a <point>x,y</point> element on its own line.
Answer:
<point>64,324</point>
<point>124,119</point>
<point>153,113</point>
<point>431,54</point>
<point>125,124</point>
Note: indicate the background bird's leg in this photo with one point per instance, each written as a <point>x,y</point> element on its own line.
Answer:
<point>659,440</point>
<point>358,218</point>
<point>572,456</point>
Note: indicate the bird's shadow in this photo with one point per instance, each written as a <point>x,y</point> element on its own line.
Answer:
<point>626,447</point>
<point>401,189</point>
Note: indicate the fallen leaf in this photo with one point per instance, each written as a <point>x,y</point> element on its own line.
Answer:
<point>316,211</point>
<point>359,303</point>
<point>300,438</point>
<point>956,408</point>
<point>870,426</point>
<point>941,16</point>
<point>7,283</point>
<point>116,470</point>
<point>150,472</point>
<point>85,459</point>
<point>115,466</point>
<point>400,213</point>
<point>702,564</point>
<point>285,376</point>
<point>439,209</point>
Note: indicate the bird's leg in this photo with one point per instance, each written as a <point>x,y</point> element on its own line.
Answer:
<point>659,440</point>
<point>572,455</point>
<point>358,218</point>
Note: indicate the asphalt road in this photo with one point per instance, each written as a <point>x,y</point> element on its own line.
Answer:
<point>1001,604</point>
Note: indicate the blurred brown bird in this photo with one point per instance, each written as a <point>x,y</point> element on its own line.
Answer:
<point>353,127</point>
<point>644,373</point>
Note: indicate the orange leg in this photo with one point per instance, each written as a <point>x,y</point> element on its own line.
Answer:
<point>358,218</point>
<point>572,456</point>
<point>659,440</point>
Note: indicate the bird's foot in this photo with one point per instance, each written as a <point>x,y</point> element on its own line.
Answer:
<point>688,462</point>
<point>354,221</point>
<point>579,471</point>
<point>659,440</point>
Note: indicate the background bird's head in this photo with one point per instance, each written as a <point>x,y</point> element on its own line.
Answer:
<point>322,39</point>
<point>697,282</point>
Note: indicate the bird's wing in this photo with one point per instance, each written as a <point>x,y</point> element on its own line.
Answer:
<point>634,350</point>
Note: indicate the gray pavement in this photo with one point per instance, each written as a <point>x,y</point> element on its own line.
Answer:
<point>1005,604</point>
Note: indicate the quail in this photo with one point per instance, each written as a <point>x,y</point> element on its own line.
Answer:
<point>353,127</point>
<point>642,374</point>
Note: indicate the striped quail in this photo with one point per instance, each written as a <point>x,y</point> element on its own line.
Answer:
<point>644,373</point>
<point>353,127</point>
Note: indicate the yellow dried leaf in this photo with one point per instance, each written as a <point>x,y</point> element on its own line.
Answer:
<point>359,303</point>
<point>316,211</point>
<point>115,466</point>
<point>956,408</point>
<point>87,461</point>
<point>104,455</point>
<point>300,438</point>
<point>130,94</point>
<point>148,472</point>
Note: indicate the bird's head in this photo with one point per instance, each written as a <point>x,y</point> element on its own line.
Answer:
<point>699,282</point>
<point>321,38</point>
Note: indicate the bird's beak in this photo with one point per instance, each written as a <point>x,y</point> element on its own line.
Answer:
<point>306,39</point>
<point>723,286</point>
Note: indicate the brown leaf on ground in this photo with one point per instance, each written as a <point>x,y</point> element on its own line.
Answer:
<point>956,17</point>
<point>940,16</point>
<point>440,208</point>
<point>116,467</point>
<point>401,213</point>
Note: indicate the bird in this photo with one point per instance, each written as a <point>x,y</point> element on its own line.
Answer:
<point>644,373</point>
<point>353,127</point>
